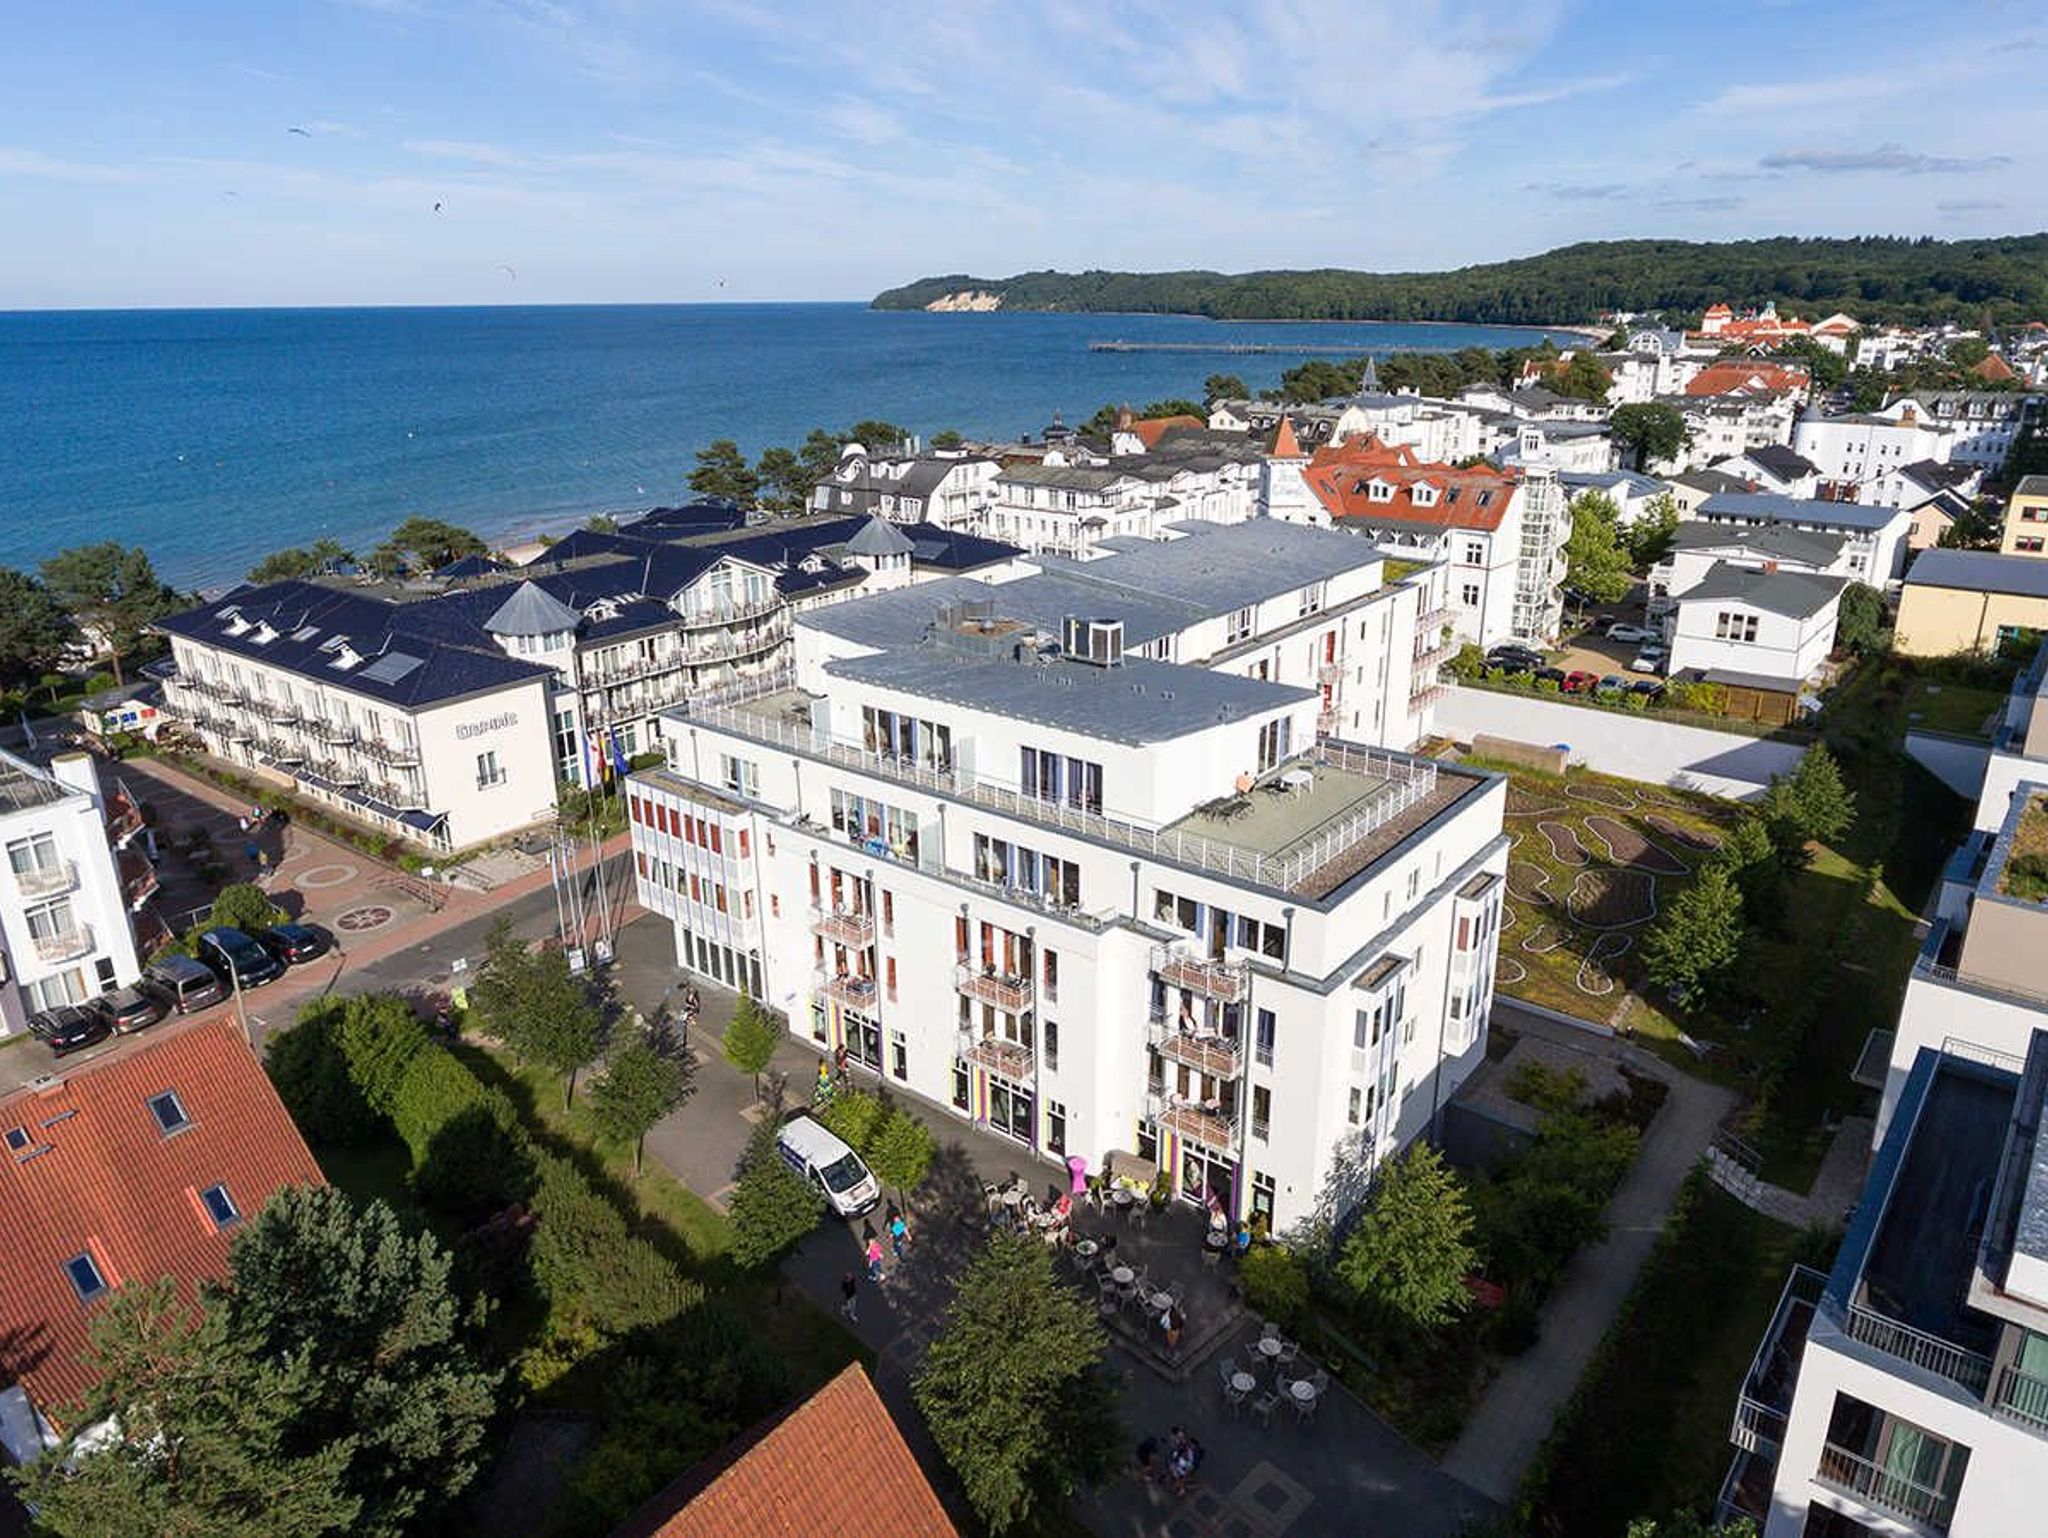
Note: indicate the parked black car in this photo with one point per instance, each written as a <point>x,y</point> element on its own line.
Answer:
<point>1649,686</point>
<point>69,1027</point>
<point>1514,651</point>
<point>235,957</point>
<point>1552,675</point>
<point>293,944</point>
<point>134,1008</point>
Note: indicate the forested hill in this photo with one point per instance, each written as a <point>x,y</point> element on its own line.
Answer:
<point>1873,278</point>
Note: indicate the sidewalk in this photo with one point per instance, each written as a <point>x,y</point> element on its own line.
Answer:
<point>1515,1415</point>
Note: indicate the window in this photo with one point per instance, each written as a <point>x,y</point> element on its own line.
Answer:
<point>1312,598</point>
<point>1468,594</point>
<point>1273,743</point>
<point>1055,1127</point>
<point>741,776</point>
<point>1262,1111</point>
<point>899,1055</point>
<point>1262,1196</point>
<point>86,1278</point>
<point>1730,626</point>
<point>1052,1045</point>
<point>17,1139</point>
<point>487,771</point>
<point>1239,625</point>
<point>1351,1115</point>
<point>1263,1041</point>
<point>220,1206</point>
<point>169,1112</point>
<point>1051,987</point>
<point>1475,553</point>
<point>889,973</point>
<point>35,855</point>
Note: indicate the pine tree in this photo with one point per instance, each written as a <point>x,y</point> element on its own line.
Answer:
<point>369,1310</point>
<point>772,1205</point>
<point>1698,937</point>
<point>751,1038</point>
<point>1013,1388</point>
<point>722,471</point>
<point>638,1089</point>
<point>1407,1256</point>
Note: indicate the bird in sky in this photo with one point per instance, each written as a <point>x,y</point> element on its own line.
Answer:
<point>437,208</point>
<point>303,133</point>
<point>508,272</point>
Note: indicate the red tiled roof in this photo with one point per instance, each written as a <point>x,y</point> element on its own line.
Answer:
<point>835,1466</point>
<point>1285,444</point>
<point>1993,368</point>
<point>1340,475</point>
<point>110,1183</point>
<point>1149,430</point>
<point>1746,376</point>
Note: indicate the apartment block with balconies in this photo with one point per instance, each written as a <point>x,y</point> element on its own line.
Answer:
<point>75,873</point>
<point>1090,900</point>
<point>1906,1391</point>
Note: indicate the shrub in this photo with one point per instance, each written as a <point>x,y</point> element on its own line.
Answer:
<point>244,906</point>
<point>853,1115</point>
<point>312,1080</point>
<point>587,1263</point>
<point>379,1036</point>
<point>1545,1088</point>
<point>1275,1283</point>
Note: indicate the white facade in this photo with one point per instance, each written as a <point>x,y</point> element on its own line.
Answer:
<point>1578,447</point>
<point>1875,539</point>
<point>1864,445</point>
<point>74,872</point>
<point>1732,622</point>
<point>1065,898</point>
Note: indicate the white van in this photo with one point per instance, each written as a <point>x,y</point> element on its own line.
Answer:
<point>823,1158</point>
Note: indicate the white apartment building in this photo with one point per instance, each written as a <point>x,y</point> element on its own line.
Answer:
<point>1906,1391</point>
<point>1762,628</point>
<point>1723,426</point>
<point>1073,501</point>
<point>1863,445</point>
<point>75,875</point>
<point>1583,448</point>
<point>1092,901</point>
<point>1696,548</point>
<point>949,489</point>
<point>1874,539</point>
<point>1983,423</point>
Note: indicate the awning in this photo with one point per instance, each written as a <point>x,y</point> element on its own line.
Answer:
<point>425,822</point>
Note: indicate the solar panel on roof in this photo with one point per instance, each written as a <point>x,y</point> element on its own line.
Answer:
<point>391,667</point>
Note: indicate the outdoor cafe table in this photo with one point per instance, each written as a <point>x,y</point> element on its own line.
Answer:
<point>1123,1276</point>
<point>1161,1301</point>
<point>1269,1346</point>
<point>1121,1197</point>
<point>1086,1249</point>
<point>1243,1382</point>
<point>1303,1390</point>
<point>1216,1239</point>
<point>1013,1196</point>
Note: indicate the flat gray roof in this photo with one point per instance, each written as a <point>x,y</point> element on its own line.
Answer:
<point>1135,702</point>
<point>1769,507</point>
<point>1776,540</point>
<point>1796,594</point>
<point>1979,571</point>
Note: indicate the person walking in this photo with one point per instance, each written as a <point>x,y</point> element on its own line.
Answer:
<point>849,1290</point>
<point>874,1258</point>
<point>899,1234</point>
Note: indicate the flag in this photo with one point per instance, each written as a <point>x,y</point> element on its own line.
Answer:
<point>590,774</point>
<point>618,753</point>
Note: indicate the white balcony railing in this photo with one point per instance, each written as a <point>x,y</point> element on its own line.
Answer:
<point>65,944</point>
<point>1969,1368</point>
<point>1221,1057</point>
<point>998,1054</point>
<point>1212,1127</point>
<point>47,880</point>
<point>1225,980</point>
<point>843,926</point>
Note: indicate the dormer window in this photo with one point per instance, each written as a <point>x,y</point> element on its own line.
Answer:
<point>345,657</point>
<point>264,634</point>
<point>1422,494</point>
<point>1379,491</point>
<point>236,624</point>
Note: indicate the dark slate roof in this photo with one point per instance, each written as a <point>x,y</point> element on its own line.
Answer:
<point>401,664</point>
<point>697,518</point>
<point>1767,506</point>
<point>1936,476</point>
<point>468,566</point>
<point>1773,541</point>
<point>2032,486</point>
<point>1980,571</point>
<point>1713,482</point>
<point>878,537</point>
<point>1796,594</point>
<point>951,550</point>
<point>531,610</point>
<point>1782,460</point>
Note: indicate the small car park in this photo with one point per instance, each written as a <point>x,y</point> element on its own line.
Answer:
<point>1622,630</point>
<point>184,984</point>
<point>1651,659</point>
<point>236,959</point>
<point>293,944</point>
<point>69,1028</point>
<point>134,1008</point>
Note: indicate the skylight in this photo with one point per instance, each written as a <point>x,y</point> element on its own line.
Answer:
<point>86,1278</point>
<point>169,1112</point>
<point>391,667</point>
<point>220,1206</point>
<point>17,1139</point>
<point>305,632</point>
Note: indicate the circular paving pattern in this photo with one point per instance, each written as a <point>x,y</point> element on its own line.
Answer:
<point>356,920</point>
<point>319,876</point>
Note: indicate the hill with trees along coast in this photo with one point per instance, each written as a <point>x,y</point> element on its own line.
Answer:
<point>1873,278</point>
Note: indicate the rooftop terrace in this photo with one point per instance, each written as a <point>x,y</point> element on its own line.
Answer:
<point>23,786</point>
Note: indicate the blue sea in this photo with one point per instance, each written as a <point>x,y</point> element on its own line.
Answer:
<point>212,437</point>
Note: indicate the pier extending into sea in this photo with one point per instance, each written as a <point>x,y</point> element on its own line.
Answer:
<point>1288,348</point>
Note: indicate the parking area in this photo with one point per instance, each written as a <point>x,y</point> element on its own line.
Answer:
<point>1591,652</point>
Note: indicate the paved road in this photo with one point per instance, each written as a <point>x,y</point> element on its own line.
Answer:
<point>1511,1421</point>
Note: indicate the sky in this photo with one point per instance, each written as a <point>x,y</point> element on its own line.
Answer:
<point>285,152</point>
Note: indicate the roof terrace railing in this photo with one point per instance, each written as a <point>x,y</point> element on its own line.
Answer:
<point>1971,1369</point>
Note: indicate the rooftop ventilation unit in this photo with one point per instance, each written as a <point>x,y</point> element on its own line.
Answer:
<point>1100,641</point>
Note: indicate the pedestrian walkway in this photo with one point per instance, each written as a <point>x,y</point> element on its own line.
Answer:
<point>1836,1184</point>
<point>1515,1414</point>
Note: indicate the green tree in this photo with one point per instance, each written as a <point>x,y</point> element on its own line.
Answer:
<point>1648,539</point>
<point>900,1151</point>
<point>1584,378</point>
<point>819,456</point>
<point>752,1037</point>
<point>1859,622</point>
<point>601,523</point>
<point>113,593</point>
<point>1982,524</point>
<point>207,1441</point>
<point>35,629</point>
<point>1968,351</point>
<point>394,1376</point>
<point>947,438</point>
<point>1814,802</point>
<point>1750,856</point>
<point>1594,561</point>
<point>300,561</point>
<point>722,471</point>
<point>1224,387</point>
<point>1407,1256</point>
<point>852,1117</point>
<point>1013,1387</point>
<point>875,435</point>
<point>1275,1282</point>
<point>1696,940</point>
<point>1650,430</point>
<point>784,482</point>
<point>306,1065</point>
<point>772,1205</point>
<point>245,906</point>
<point>532,1002</point>
<point>423,545</point>
<point>639,1087</point>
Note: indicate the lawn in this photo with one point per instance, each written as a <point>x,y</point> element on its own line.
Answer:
<point>1646,1433</point>
<point>1967,710</point>
<point>1593,859</point>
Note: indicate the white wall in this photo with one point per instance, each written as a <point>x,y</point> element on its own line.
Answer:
<point>1786,648</point>
<point>513,723</point>
<point>1635,747</point>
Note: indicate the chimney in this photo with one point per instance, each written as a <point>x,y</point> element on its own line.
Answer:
<point>76,771</point>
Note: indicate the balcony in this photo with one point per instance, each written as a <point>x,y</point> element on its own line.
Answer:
<point>1766,1398</point>
<point>1436,618</point>
<point>998,1054</point>
<point>47,880</point>
<point>2022,1397</point>
<point>1224,980</point>
<point>985,985</point>
<point>853,992</point>
<point>1326,723</point>
<point>279,712</point>
<point>138,879</point>
<point>64,945</point>
<point>387,752</point>
<point>1956,1363</point>
<point>731,613</point>
<point>1207,1125</point>
<point>1330,673</point>
<point>1881,1489</point>
<point>1221,1057</point>
<point>843,926</point>
<point>124,819</point>
<point>334,733</point>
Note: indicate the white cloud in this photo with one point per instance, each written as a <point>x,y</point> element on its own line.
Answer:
<point>50,168</point>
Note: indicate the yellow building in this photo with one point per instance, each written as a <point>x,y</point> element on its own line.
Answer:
<point>1970,601</point>
<point>2026,519</point>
